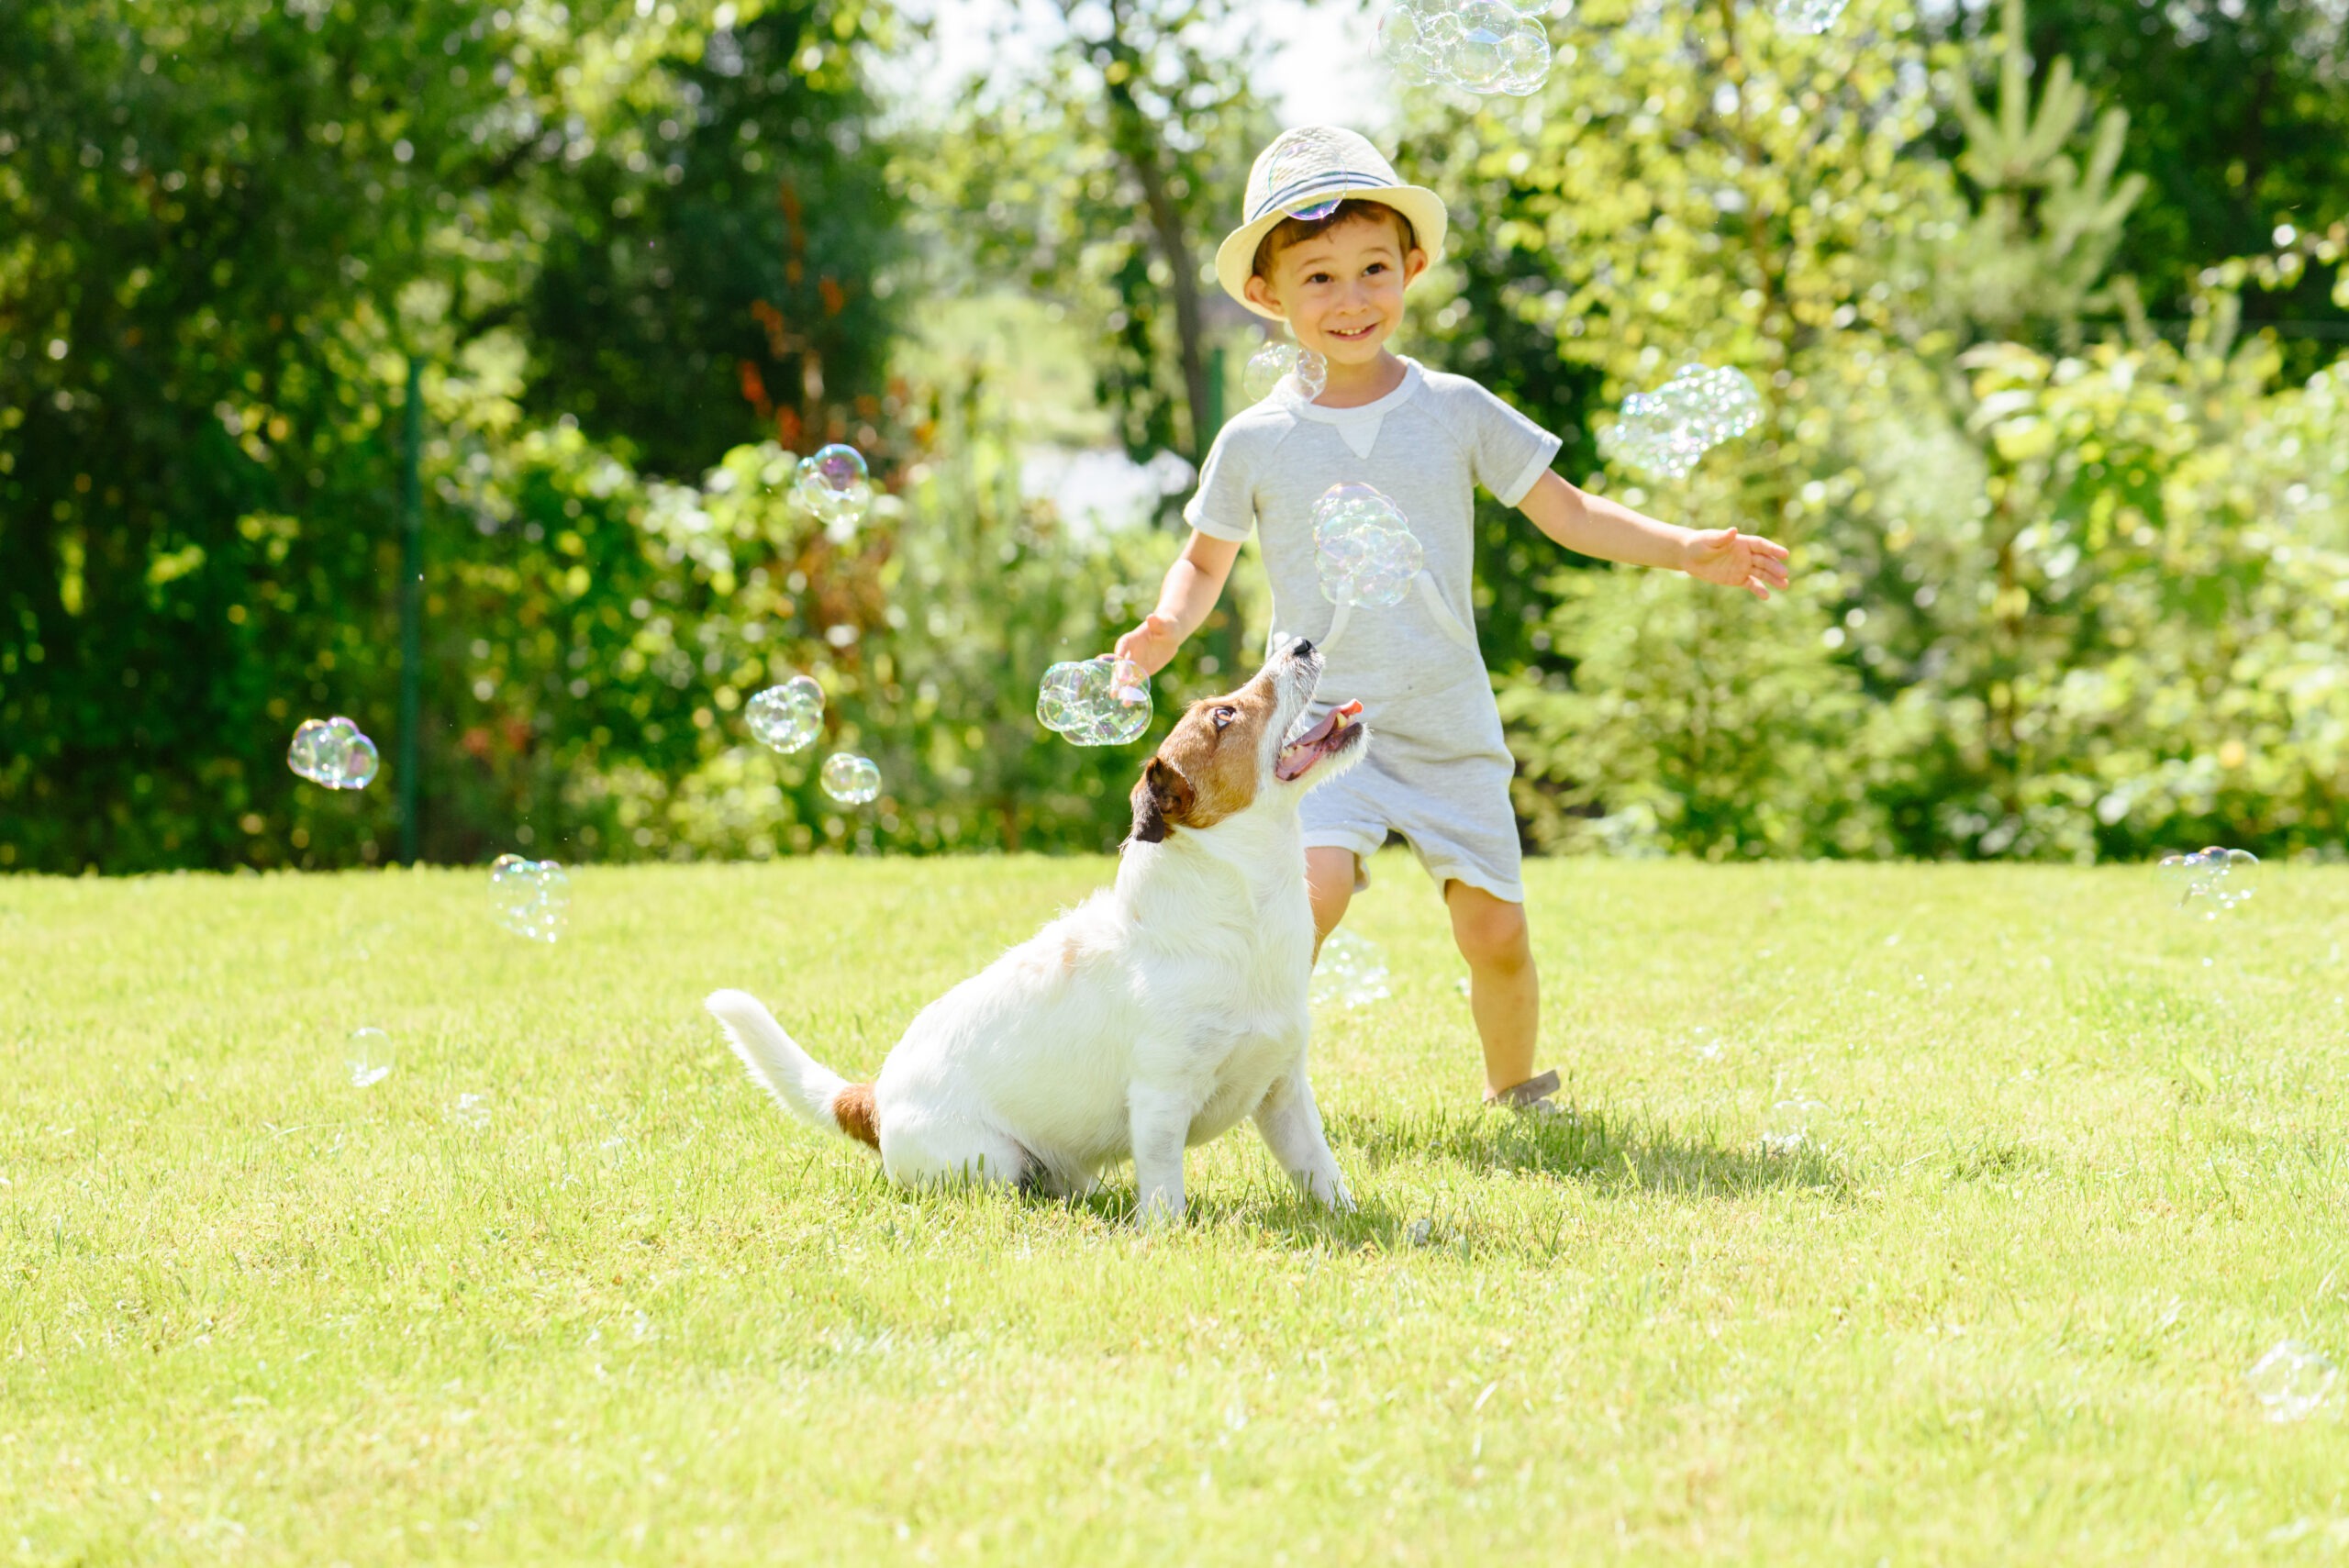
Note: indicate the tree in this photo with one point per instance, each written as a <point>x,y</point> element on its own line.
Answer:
<point>1101,174</point>
<point>743,289</point>
<point>2238,112</point>
<point>245,224</point>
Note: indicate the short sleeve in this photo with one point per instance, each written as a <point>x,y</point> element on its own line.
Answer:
<point>1507,451</point>
<point>1224,506</point>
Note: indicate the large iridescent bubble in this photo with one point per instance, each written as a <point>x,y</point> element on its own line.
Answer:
<point>1663,432</point>
<point>1364,549</point>
<point>1476,46</point>
<point>1095,702</point>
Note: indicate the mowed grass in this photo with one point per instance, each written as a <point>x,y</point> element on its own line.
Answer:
<point>2084,1163</point>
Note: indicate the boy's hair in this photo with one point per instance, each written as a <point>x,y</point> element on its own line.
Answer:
<point>1290,231</point>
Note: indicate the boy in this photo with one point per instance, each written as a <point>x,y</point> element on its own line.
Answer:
<point>1439,771</point>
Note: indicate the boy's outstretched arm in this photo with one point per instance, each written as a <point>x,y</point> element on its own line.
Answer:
<point>1593,525</point>
<point>1192,585</point>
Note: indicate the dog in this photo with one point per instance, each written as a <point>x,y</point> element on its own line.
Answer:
<point>1152,1017</point>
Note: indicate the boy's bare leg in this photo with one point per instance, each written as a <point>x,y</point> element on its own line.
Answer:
<point>1330,882</point>
<point>1504,992</point>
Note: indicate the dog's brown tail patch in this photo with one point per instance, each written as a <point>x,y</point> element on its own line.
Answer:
<point>853,1110</point>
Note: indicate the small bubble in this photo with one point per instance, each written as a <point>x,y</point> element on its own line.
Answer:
<point>787,717</point>
<point>1792,1125</point>
<point>835,484</point>
<point>1275,363</point>
<point>1095,702</point>
<point>1363,547</point>
<point>1808,16</point>
<point>470,1110</point>
<point>332,752</point>
<point>531,898</point>
<point>2212,881</point>
<point>1350,973</point>
<point>370,1057</point>
<point>2292,1380</point>
<point>849,779</point>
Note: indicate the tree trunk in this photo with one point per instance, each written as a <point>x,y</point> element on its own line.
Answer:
<point>1137,141</point>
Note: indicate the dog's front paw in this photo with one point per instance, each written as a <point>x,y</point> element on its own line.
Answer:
<point>1160,1211</point>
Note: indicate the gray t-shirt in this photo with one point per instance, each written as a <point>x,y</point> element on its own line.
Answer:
<point>1425,446</point>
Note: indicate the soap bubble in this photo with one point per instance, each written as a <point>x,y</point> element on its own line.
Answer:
<point>835,484</point>
<point>1275,362</point>
<point>1297,173</point>
<point>1792,1125</point>
<point>787,717</point>
<point>1807,16</point>
<point>2211,881</point>
<point>331,751</point>
<point>1295,157</point>
<point>1364,547</point>
<point>531,898</point>
<point>1350,973</point>
<point>1478,45</point>
<point>849,779</point>
<point>370,1053</point>
<point>1665,431</point>
<point>2292,1380</point>
<point>470,1110</point>
<point>1095,702</point>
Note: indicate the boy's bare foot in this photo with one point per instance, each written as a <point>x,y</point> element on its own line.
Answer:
<point>1531,1098</point>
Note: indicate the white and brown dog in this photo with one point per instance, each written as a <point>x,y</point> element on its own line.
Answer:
<point>1152,1017</point>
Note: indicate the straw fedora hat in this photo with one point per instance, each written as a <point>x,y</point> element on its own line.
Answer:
<point>1305,173</point>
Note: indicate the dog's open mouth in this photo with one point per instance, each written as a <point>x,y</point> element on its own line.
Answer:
<point>1334,734</point>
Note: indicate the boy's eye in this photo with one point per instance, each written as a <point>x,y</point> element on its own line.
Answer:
<point>1317,277</point>
<point>1224,716</point>
<point>1376,267</point>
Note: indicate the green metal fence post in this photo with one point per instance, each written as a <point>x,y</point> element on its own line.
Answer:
<point>411,604</point>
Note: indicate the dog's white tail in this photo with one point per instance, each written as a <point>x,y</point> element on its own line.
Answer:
<point>804,1086</point>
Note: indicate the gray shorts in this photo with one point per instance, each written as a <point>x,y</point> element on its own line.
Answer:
<point>1438,773</point>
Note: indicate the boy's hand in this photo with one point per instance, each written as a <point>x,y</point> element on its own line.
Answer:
<point>1152,643</point>
<point>1735,560</point>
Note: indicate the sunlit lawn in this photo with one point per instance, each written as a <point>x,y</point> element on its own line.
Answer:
<point>2083,1162</point>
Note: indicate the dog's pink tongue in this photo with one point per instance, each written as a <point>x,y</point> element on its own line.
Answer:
<point>1302,752</point>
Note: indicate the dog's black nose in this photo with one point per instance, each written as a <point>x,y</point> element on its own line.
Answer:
<point>1304,649</point>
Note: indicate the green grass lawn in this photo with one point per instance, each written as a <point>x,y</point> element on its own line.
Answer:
<point>2083,1162</point>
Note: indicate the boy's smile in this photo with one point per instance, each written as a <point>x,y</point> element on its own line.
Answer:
<point>1342,294</point>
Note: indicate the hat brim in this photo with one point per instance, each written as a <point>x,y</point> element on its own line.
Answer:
<point>1235,259</point>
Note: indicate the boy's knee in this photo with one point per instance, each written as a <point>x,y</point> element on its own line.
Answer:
<point>1490,931</point>
<point>1330,882</point>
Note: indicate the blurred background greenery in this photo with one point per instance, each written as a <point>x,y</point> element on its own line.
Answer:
<point>2048,312</point>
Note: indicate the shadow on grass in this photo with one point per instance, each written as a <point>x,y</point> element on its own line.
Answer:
<point>1608,1155</point>
<point>1590,1147</point>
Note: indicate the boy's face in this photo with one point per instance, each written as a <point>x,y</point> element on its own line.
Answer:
<point>1341,290</point>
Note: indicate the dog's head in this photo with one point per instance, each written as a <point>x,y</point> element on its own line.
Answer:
<point>1247,747</point>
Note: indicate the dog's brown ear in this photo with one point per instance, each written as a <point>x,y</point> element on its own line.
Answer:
<point>1161,800</point>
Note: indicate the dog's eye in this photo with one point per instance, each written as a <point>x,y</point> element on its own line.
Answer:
<point>1224,716</point>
